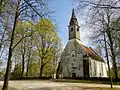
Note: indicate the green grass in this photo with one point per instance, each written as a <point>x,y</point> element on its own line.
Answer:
<point>95,88</point>
<point>109,88</point>
<point>10,88</point>
<point>86,81</point>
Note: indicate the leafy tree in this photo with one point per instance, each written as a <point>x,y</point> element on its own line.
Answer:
<point>1,61</point>
<point>23,10</point>
<point>1,5</point>
<point>46,41</point>
<point>16,73</point>
<point>33,69</point>
<point>23,32</point>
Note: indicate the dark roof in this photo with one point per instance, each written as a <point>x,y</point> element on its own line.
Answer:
<point>91,53</point>
<point>73,19</point>
<point>73,14</point>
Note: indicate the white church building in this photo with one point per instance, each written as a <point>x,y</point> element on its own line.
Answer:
<point>78,60</point>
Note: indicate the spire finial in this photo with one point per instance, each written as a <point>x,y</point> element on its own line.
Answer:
<point>73,13</point>
<point>73,18</point>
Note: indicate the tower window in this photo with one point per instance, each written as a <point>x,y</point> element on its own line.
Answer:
<point>72,55</point>
<point>77,29</point>
<point>71,29</point>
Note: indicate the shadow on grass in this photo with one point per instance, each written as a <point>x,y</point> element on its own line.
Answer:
<point>86,81</point>
<point>74,88</point>
<point>66,88</point>
<point>9,88</point>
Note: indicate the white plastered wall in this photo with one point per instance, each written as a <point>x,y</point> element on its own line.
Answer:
<point>97,69</point>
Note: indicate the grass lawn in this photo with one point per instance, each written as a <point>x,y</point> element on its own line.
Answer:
<point>109,88</point>
<point>94,88</point>
<point>86,81</point>
<point>10,88</point>
<point>105,89</point>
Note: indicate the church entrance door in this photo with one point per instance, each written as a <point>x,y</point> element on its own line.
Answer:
<point>86,68</point>
<point>73,75</point>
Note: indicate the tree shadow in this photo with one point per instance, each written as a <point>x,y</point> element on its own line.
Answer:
<point>67,88</point>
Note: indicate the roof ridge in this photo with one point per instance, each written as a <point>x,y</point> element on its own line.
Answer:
<point>96,53</point>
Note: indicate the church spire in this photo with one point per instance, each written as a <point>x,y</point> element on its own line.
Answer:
<point>73,18</point>
<point>74,32</point>
<point>73,13</point>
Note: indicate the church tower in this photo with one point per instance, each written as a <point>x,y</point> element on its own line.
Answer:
<point>78,60</point>
<point>73,27</point>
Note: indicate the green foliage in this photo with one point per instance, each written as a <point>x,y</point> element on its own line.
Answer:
<point>48,70</point>
<point>1,62</point>
<point>1,69</point>
<point>33,70</point>
<point>38,45</point>
<point>2,72</point>
<point>16,73</point>
<point>23,30</point>
<point>10,88</point>
<point>47,41</point>
<point>22,40</point>
<point>112,72</point>
<point>1,6</point>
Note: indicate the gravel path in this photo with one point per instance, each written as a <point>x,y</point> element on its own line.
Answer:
<point>50,85</point>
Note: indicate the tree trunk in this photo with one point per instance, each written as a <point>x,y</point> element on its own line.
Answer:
<point>108,61</point>
<point>113,55</point>
<point>29,58</point>
<point>58,70</point>
<point>27,68</point>
<point>23,58</point>
<point>28,63</point>
<point>23,65</point>
<point>9,62</point>
<point>41,70</point>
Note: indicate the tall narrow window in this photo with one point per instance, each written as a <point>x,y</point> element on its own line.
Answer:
<point>71,29</point>
<point>77,29</point>
<point>72,55</point>
<point>95,68</point>
<point>101,69</point>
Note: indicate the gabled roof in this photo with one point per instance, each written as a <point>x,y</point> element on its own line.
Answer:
<point>91,53</point>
